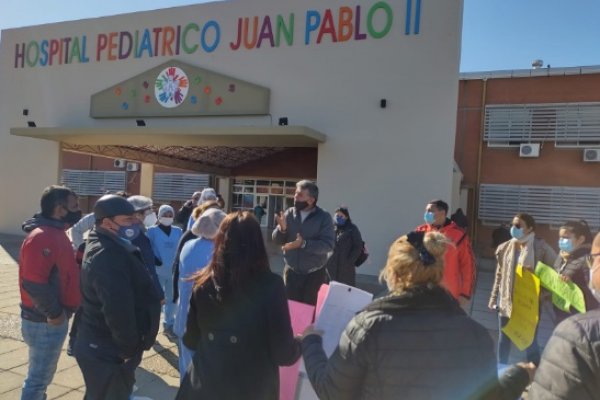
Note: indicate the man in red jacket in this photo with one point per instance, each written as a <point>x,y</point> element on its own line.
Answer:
<point>459,261</point>
<point>49,285</point>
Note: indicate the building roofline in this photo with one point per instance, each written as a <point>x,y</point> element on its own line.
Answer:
<point>530,73</point>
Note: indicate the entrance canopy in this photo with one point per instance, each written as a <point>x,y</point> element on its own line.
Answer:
<point>214,149</point>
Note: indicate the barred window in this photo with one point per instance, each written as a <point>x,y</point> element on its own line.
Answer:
<point>93,183</point>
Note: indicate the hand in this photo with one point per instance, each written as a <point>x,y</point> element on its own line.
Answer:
<point>56,321</point>
<point>565,278</point>
<point>296,244</point>
<point>312,330</point>
<point>280,220</point>
<point>529,367</point>
<point>493,307</point>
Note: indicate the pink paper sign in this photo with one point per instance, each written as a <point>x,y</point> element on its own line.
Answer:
<point>321,296</point>
<point>301,316</point>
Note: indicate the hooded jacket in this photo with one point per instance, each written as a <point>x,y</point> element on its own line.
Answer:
<point>459,261</point>
<point>48,272</point>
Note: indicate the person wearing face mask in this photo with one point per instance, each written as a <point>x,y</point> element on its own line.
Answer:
<point>207,194</point>
<point>348,245</point>
<point>574,242</point>
<point>49,285</point>
<point>120,311</point>
<point>523,249</point>
<point>164,239</point>
<point>305,233</point>
<point>459,261</point>
<point>570,365</point>
<point>143,208</point>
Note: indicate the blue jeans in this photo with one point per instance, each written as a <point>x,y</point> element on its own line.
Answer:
<point>169,307</point>
<point>45,342</point>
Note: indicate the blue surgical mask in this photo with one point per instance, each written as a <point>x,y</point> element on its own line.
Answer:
<point>429,217</point>
<point>565,244</point>
<point>339,220</point>
<point>516,233</point>
<point>129,232</point>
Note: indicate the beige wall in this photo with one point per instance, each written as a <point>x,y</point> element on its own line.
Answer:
<point>384,163</point>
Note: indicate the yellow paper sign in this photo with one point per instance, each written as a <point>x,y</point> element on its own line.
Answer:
<point>525,309</point>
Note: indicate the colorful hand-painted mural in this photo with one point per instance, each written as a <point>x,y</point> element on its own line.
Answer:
<point>370,20</point>
<point>176,88</point>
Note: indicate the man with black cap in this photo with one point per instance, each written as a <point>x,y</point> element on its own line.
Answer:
<point>120,309</point>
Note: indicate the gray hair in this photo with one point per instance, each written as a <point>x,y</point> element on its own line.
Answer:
<point>313,189</point>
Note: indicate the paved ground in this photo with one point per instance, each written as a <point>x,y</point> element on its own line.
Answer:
<point>157,377</point>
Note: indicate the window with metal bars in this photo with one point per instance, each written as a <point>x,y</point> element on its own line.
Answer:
<point>551,205</point>
<point>93,183</point>
<point>177,187</point>
<point>566,124</point>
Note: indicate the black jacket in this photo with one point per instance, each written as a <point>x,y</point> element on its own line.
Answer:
<point>183,215</point>
<point>570,366</point>
<point>417,345</point>
<point>142,242</point>
<point>120,302</point>
<point>240,341</point>
<point>348,245</point>
<point>575,267</point>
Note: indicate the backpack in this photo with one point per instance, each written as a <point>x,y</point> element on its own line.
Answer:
<point>362,257</point>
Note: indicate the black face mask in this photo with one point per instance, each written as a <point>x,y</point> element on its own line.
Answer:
<point>300,205</point>
<point>72,217</point>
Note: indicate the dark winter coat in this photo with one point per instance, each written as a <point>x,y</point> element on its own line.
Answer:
<point>316,230</point>
<point>575,267</point>
<point>570,366</point>
<point>416,345</point>
<point>150,260</point>
<point>240,341</point>
<point>120,301</point>
<point>183,215</point>
<point>348,245</point>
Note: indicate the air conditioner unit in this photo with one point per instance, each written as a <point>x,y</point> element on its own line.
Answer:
<point>529,150</point>
<point>132,166</point>
<point>120,163</point>
<point>591,155</point>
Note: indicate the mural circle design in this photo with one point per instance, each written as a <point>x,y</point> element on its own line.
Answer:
<point>171,87</point>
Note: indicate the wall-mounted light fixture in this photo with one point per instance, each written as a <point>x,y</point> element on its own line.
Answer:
<point>140,122</point>
<point>25,111</point>
<point>31,124</point>
<point>283,121</point>
<point>383,103</point>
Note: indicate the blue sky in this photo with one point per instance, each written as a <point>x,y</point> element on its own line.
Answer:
<point>497,34</point>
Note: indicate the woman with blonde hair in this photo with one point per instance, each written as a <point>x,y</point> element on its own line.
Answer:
<point>415,343</point>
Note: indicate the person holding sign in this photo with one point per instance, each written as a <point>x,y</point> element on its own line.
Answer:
<point>415,343</point>
<point>238,321</point>
<point>574,243</point>
<point>523,249</point>
<point>570,366</point>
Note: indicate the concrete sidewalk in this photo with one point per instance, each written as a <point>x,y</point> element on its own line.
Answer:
<point>158,377</point>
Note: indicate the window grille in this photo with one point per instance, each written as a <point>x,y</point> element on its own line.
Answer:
<point>551,205</point>
<point>93,183</point>
<point>566,124</point>
<point>177,187</point>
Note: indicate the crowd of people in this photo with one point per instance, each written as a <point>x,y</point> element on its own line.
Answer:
<point>207,273</point>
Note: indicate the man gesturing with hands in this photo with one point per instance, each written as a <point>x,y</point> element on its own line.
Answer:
<point>306,234</point>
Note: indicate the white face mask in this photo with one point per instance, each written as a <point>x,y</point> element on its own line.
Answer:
<point>150,220</point>
<point>165,221</point>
